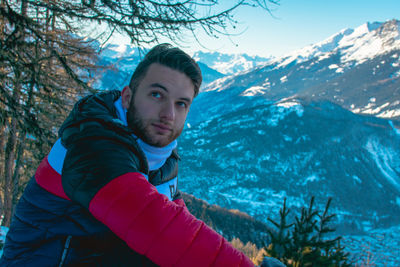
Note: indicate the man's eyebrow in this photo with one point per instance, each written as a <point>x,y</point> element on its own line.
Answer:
<point>158,85</point>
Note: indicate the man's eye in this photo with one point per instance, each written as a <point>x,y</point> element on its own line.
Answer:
<point>156,94</point>
<point>182,104</point>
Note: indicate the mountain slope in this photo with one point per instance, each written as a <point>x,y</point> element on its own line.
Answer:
<point>253,158</point>
<point>230,223</point>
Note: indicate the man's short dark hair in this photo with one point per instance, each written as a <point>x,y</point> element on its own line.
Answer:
<point>172,57</point>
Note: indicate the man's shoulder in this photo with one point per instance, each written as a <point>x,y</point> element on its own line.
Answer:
<point>95,115</point>
<point>94,106</point>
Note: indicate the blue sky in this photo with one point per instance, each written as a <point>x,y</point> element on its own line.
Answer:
<point>292,25</point>
<point>296,23</point>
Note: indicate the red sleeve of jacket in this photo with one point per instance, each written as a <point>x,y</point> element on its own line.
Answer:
<point>163,230</point>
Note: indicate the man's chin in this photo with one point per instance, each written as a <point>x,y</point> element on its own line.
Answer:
<point>159,141</point>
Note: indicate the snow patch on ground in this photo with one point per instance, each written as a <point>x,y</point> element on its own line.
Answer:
<point>369,110</point>
<point>282,109</point>
<point>339,70</point>
<point>254,90</point>
<point>284,79</point>
<point>385,110</point>
<point>358,180</point>
<point>292,106</point>
<point>311,178</point>
<point>397,131</point>
<point>235,143</point>
<point>287,138</point>
<point>333,66</point>
<point>383,158</point>
<point>390,113</point>
<point>218,85</point>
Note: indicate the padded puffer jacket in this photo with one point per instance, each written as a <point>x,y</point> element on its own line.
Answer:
<point>101,210</point>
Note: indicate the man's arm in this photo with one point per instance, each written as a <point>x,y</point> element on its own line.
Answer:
<point>102,175</point>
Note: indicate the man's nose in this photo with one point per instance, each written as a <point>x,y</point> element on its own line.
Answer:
<point>168,111</point>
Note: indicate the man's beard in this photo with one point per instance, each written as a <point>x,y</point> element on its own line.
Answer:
<point>139,127</point>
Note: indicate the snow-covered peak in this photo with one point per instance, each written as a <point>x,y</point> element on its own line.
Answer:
<point>119,51</point>
<point>229,63</point>
<point>370,41</point>
<point>317,49</point>
<point>360,44</point>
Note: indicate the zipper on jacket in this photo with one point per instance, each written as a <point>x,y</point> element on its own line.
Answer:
<point>65,251</point>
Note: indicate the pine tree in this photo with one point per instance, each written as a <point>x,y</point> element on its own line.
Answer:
<point>329,250</point>
<point>280,242</point>
<point>306,241</point>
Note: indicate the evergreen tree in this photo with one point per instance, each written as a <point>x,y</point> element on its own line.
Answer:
<point>280,243</point>
<point>329,250</point>
<point>306,242</point>
<point>303,239</point>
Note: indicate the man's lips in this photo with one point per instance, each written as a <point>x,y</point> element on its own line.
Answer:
<point>162,127</point>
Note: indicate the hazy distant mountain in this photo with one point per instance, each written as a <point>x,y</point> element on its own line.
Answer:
<point>123,59</point>
<point>209,74</point>
<point>230,63</point>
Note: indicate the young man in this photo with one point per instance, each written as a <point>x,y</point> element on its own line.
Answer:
<point>106,195</point>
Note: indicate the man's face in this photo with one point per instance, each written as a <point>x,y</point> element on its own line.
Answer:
<point>158,110</point>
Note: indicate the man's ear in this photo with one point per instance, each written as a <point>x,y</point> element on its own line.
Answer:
<point>126,96</point>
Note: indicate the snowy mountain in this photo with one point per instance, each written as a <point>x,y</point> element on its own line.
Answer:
<point>229,63</point>
<point>357,69</point>
<point>119,62</point>
<point>322,121</point>
<point>360,44</point>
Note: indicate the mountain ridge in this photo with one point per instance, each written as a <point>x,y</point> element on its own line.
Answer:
<point>362,80</point>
